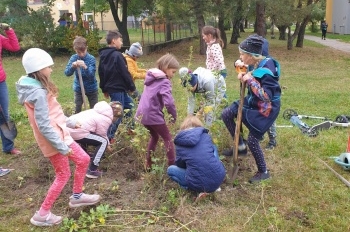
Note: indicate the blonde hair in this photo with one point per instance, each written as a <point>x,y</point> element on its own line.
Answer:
<point>190,122</point>
<point>168,61</point>
<point>46,82</point>
<point>80,43</point>
<point>215,32</point>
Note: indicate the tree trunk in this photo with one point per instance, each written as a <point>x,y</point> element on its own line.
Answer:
<point>121,24</point>
<point>237,23</point>
<point>222,30</point>
<point>292,37</point>
<point>260,18</point>
<point>282,32</point>
<point>168,30</point>
<point>77,10</point>
<point>201,24</point>
<point>303,25</point>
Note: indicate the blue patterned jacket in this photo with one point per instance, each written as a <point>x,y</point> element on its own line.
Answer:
<point>88,75</point>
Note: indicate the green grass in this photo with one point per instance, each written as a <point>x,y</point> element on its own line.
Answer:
<point>303,195</point>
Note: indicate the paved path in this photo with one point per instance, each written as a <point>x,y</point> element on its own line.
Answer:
<point>345,47</point>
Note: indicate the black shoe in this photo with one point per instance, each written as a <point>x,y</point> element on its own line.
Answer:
<point>229,152</point>
<point>259,176</point>
<point>271,145</point>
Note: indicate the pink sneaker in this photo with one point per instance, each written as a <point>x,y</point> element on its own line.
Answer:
<point>85,199</point>
<point>48,220</point>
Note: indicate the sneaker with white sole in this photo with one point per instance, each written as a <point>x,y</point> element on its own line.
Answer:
<point>93,174</point>
<point>259,176</point>
<point>47,220</point>
<point>85,199</point>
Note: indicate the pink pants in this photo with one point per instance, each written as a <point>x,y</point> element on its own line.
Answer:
<point>63,173</point>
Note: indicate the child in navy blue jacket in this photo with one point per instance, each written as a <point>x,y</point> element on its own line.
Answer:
<point>197,165</point>
<point>261,105</point>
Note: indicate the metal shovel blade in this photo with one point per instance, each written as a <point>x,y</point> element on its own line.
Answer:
<point>9,130</point>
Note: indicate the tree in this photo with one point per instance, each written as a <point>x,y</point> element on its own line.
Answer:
<point>97,6</point>
<point>260,25</point>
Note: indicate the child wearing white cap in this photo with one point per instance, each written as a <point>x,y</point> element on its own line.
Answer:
<point>37,93</point>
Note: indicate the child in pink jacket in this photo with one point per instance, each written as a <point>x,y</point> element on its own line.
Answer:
<point>37,94</point>
<point>90,127</point>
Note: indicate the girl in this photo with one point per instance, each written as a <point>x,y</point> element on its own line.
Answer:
<point>262,103</point>
<point>38,95</point>
<point>90,127</point>
<point>156,95</point>
<point>215,58</point>
<point>198,166</point>
<point>10,43</point>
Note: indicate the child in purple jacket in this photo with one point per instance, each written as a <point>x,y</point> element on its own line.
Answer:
<point>157,95</point>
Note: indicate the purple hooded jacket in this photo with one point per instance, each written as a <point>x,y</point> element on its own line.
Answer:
<point>155,96</point>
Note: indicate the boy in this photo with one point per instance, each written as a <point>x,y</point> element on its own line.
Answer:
<point>87,65</point>
<point>115,79</point>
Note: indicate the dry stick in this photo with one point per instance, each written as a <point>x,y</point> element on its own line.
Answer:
<point>345,181</point>
<point>82,88</point>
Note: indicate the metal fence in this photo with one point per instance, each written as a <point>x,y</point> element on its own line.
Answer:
<point>155,31</point>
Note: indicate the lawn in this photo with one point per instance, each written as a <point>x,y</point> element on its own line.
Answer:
<point>302,195</point>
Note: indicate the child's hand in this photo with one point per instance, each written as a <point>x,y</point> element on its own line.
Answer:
<point>70,152</point>
<point>106,95</point>
<point>77,125</point>
<point>245,76</point>
<point>109,148</point>
<point>81,63</point>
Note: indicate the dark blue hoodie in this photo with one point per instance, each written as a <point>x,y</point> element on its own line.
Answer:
<point>195,153</point>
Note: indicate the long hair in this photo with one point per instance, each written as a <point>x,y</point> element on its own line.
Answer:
<point>190,122</point>
<point>167,61</point>
<point>46,82</point>
<point>215,32</point>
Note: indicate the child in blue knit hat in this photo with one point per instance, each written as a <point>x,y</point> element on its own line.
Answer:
<point>203,81</point>
<point>87,64</point>
<point>261,105</point>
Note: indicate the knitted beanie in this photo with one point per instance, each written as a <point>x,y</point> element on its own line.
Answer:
<point>187,77</point>
<point>252,45</point>
<point>135,50</point>
<point>35,59</point>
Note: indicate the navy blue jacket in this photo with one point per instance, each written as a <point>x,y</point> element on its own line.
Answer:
<point>195,153</point>
<point>113,72</point>
<point>262,102</point>
<point>88,75</point>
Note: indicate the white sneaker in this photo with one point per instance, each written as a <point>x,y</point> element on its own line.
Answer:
<point>48,220</point>
<point>85,199</point>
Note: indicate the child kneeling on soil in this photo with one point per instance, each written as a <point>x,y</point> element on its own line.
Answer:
<point>90,127</point>
<point>37,93</point>
<point>197,165</point>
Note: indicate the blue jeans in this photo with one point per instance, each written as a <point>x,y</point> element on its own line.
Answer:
<point>128,105</point>
<point>7,145</point>
<point>178,174</point>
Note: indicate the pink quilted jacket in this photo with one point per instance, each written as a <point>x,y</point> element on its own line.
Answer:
<point>96,120</point>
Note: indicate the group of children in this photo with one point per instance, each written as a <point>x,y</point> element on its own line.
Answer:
<point>195,166</point>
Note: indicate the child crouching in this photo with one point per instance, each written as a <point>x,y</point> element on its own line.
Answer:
<point>197,165</point>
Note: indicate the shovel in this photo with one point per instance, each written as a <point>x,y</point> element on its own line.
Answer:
<point>8,128</point>
<point>234,167</point>
<point>82,88</point>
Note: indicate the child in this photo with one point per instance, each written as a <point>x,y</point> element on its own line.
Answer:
<point>215,58</point>
<point>90,127</point>
<point>272,133</point>
<point>9,43</point>
<point>262,103</point>
<point>203,81</point>
<point>157,95</point>
<point>197,166</point>
<point>115,79</point>
<point>131,55</point>
<point>38,95</point>
<point>87,64</point>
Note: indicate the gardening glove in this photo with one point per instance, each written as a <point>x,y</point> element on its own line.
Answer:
<point>4,26</point>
